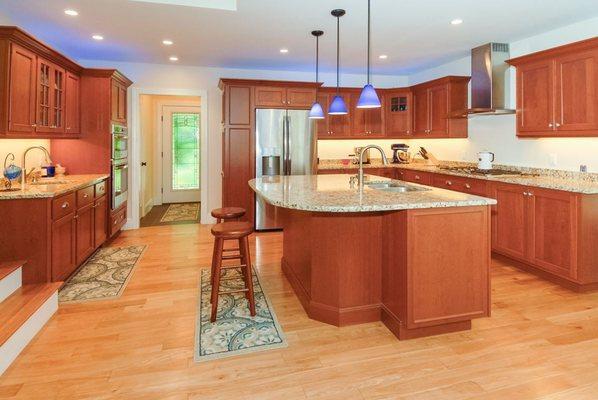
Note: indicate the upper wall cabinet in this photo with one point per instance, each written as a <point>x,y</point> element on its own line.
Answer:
<point>440,108</point>
<point>398,113</point>
<point>557,91</point>
<point>39,90</point>
<point>284,97</point>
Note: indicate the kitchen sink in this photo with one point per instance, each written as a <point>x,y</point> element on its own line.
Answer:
<point>396,187</point>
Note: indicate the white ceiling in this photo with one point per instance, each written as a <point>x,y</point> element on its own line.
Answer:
<point>415,34</point>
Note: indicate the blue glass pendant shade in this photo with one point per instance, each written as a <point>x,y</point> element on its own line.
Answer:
<point>368,98</point>
<point>316,111</point>
<point>337,107</point>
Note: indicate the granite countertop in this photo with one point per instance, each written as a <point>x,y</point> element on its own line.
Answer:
<point>586,183</point>
<point>53,187</point>
<point>332,193</point>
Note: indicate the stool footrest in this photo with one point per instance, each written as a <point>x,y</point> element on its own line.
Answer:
<point>233,266</point>
<point>233,291</point>
<point>232,257</point>
<point>231,249</point>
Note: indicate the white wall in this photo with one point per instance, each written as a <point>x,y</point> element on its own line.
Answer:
<point>157,76</point>
<point>498,133</point>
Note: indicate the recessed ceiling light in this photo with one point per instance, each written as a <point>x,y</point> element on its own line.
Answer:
<point>457,21</point>
<point>167,42</point>
<point>71,12</point>
<point>383,56</point>
<point>173,58</point>
<point>284,51</point>
<point>97,37</point>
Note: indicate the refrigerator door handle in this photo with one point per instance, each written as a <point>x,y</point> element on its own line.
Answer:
<point>287,160</point>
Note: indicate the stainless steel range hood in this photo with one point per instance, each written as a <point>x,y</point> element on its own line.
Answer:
<point>490,80</point>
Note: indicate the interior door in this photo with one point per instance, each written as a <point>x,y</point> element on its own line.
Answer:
<point>181,141</point>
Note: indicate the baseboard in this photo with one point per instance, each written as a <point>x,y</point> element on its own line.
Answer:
<point>19,340</point>
<point>148,206</point>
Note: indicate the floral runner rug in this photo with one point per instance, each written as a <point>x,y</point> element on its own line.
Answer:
<point>235,331</point>
<point>181,212</point>
<point>103,276</point>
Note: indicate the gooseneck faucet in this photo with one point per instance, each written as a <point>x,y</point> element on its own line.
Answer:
<point>24,171</point>
<point>363,150</point>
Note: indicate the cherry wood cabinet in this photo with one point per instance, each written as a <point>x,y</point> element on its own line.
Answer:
<point>72,104</point>
<point>423,178</point>
<point>368,122</point>
<point>100,219</point>
<point>64,235</point>
<point>510,223</point>
<point>467,185</point>
<point>557,91</point>
<point>22,90</point>
<point>118,99</point>
<point>85,243</point>
<point>335,126</point>
<point>284,97</point>
<point>440,108</point>
<point>37,98</point>
<point>398,113</point>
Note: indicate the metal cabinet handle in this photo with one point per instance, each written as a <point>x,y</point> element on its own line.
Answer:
<point>65,204</point>
<point>449,183</point>
<point>467,186</point>
<point>33,125</point>
<point>417,177</point>
<point>85,196</point>
<point>550,125</point>
<point>557,124</point>
<point>76,216</point>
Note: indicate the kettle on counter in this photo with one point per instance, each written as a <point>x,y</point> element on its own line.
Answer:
<point>485,159</point>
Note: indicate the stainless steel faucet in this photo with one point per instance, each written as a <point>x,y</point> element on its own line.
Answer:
<point>364,150</point>
<point>24,172</point>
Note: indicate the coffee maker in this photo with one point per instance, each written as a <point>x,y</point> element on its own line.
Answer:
<point>400,153</point>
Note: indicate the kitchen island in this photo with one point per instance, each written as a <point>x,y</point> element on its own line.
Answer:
<point>413,256</point>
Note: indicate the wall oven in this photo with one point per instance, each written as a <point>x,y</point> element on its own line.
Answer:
<point>120,165</point>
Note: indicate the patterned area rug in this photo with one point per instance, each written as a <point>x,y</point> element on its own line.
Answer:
<point>235,331</point>
<point>181,212</point>
<point>105,275</point>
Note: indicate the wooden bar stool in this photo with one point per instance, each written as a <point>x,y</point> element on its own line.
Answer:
<point>227,213</point>
<point>232,231</point>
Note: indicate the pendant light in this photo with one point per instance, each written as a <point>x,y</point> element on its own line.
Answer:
<point>368,97</point>
<point>337,106</point>
<point>316,111</point>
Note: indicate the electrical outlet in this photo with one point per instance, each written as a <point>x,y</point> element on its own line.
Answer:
<point>553,159</point>
<point>583,168</point>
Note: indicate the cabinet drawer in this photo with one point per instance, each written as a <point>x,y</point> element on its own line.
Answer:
<point>118,220</point>
<point>459,184</point>
<point>423,178</point>
<point>63,205</point>
<point>100,189</point>
<point>85,196</point>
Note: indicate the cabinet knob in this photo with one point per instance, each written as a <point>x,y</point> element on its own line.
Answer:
<point>417,178</point>
<point>557,124</point>
<point>467,186</point>
<point>550,125</point>
<point>85,196</point>
<point>449,183</point>
<point>65,204</point>
<point>33,125</point>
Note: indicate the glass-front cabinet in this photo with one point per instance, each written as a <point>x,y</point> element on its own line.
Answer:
<point>50,97</point>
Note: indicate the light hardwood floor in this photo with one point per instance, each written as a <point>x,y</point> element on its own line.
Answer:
<point>541,342</point>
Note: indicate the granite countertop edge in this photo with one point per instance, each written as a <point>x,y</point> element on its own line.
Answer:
<point>539,181</point>
<point>37,191</point>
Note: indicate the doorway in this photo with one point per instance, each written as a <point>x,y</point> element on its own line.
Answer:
<point>170,159</point>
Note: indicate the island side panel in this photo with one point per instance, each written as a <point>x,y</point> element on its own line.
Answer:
<point>445,270</point>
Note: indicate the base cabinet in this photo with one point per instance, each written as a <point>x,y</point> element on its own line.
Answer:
<point>100,217</point>
<point>85,242</point>
<point>63,247</point>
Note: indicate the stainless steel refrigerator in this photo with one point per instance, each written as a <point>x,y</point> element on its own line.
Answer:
<point>285,144</point>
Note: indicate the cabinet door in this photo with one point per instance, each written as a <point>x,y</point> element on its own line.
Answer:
<point>577,92</point>
<point>122,103</point>
<point>85,230</point>
<point>63,247</point>
<point>420,112</point>
<point>322,124</point>
<point>22,91</point>
<point>398,114</point>
<point>423,178</point>
<point>100,219</point>
<point>374,119</point>
<point>44,96</point>
<point>270,96</point>
<point>535,98</point>
<point>510,220</point>
<point>237,170</point>
<point>438,104</point>
<point>340,125</point>
<point>554,231</point>
<point>300,97</point>
<point>72,113</point>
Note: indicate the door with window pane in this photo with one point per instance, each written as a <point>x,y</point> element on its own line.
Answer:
<point>181,154</point>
